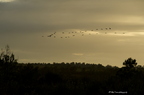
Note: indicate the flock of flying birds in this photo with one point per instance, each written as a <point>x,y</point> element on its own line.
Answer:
<point>74,33</point>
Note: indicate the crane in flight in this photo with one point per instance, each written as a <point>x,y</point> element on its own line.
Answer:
<point>70,34</point>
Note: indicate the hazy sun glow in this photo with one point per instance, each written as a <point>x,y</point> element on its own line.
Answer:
<point>6,0</point>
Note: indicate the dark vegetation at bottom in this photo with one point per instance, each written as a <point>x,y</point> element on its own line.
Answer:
<point>69,79</point>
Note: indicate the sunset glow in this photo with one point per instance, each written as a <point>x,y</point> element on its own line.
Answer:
<point>92,31</point>
<point>6,0</point>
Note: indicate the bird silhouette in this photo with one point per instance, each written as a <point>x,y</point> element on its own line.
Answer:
<point>70,34</point>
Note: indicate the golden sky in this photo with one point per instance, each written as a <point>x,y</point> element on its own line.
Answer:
<point>25,25</point>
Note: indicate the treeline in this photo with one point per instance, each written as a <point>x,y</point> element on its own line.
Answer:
<point>69,79</point>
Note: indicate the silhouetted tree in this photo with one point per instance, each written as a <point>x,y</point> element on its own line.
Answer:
<point>130,63</point>
<point>7,57</point>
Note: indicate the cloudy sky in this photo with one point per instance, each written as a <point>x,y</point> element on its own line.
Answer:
<point>91,31</point>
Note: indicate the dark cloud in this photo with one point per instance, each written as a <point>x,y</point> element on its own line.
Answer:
<point>32,15</point>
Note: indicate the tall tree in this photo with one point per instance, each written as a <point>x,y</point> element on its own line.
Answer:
<point>7,57</point>
<point>130,63</point>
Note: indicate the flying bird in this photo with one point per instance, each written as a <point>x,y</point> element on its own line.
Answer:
<point>49,35</point>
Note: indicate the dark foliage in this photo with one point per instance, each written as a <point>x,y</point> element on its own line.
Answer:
<point>68,78</point>
<point>7,57</point>
<point>130,63</point>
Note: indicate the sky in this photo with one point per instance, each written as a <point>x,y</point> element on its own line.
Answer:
<point>91,31</point>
